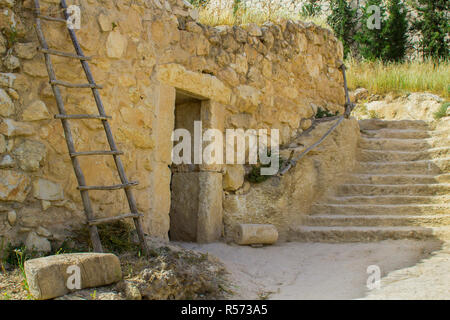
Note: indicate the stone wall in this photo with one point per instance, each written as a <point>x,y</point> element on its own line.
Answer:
<point>285,201</point>
<point>273,76</point>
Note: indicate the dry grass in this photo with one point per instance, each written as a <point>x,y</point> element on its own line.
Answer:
<point>214,16</point>
<point>413,76</point>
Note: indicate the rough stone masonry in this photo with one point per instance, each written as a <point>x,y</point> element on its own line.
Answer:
<point>145,52</point>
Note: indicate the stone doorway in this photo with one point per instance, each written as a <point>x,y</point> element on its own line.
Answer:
<point>196,193</point>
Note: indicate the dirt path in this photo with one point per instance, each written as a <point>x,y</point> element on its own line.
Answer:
<point>324,271</point>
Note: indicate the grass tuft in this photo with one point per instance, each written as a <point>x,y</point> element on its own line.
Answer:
<point>442,112</point>
<point>413,76</point>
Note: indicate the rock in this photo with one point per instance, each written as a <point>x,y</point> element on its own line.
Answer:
<point>116,45</point>
<point>37,110</point>
<point>6,162</point>
<point>30,154</point>
<point>49,277</point>
<point>13,94</point>
<point>361,94</point>
<point>3,44</point>
<point>7,3</point>
<point>11,128</point>
<point>234,177</point>
<point>47,190</point>
<point>6,104</point>
<point>41,231</point>
<point>253,30</point>
<point>2,143</point>
<point>45,204</point>
<point>306,124</point>
<point>105,22</point>
<point>35,242</point>
<point>130,291</point>
<point>256,234</point>
<point>12,217</point>
<point>25,50</point>
<point>7,79</point>
<point>13,186</point>
<point>11,62</point>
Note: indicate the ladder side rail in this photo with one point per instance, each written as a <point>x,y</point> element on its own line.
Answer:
<point>68,135</point>
<point>108,131</point>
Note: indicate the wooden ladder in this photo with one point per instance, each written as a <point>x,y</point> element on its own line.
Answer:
<point>65,119</point>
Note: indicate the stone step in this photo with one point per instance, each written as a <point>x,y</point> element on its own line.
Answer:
<point>419,167</point>
<point>396,134</point>
<point>399,144</point>
<point>396,156</point>
<point>391,189</point>
<point>376,124</point>
<point>366,234</point>
<point>359,178</point>
<point>377,220</point>
<point>381,209</point>
<point>390,199</point>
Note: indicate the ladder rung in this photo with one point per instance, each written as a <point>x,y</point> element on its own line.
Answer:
<point>81,116</point>
<point>48,18</point>
<point>114,187</point>
<point>96,153</point>
<point>76,85</point>
<point>64,54</point>
<point>116,218</point>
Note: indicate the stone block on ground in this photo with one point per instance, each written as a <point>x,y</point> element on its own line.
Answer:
<point>248,234</point>
<point>48,277</point>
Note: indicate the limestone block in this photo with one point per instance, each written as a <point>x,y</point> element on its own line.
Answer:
<point>6,161</point>
<point>256,234</point>
<point>234,177</point>
<point>201,84</point>
<point>2,143</point>
<point>13,186</point>
<point>25,50</point>
<point>37,110</point>
<point>12,217</point>
<point>7,79</point>
<point>38,243</point>
<point>11,128</point>
<point>6,104</point>
<point>11,62</point>
<point>47,190</point>
<point>30,154</point>
<point>105,22</point>
<point>116,45</point>
<point>48,277</point>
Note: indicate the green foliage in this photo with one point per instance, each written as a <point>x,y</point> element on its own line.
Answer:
<point>371,38</point>
<point>396,32</point>
<point>342,21</point>
<point>433,24</point>
<point>11,37</point>
<point>199,3</point>
<point>323,113</point>
<point>442,112</point>
<point>311,8</point>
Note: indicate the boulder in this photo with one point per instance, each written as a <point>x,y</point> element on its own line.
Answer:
<point>55,276</point>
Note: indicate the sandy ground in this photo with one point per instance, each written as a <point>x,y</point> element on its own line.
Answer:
<point>409,269</point>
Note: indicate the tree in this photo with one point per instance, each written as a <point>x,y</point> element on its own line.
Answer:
<point>433,24</point>
<point>371,36</point>
<point>396,32</point>
<point>341,20</point>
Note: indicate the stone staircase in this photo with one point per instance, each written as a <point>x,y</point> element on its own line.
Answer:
<point>400,189</point>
